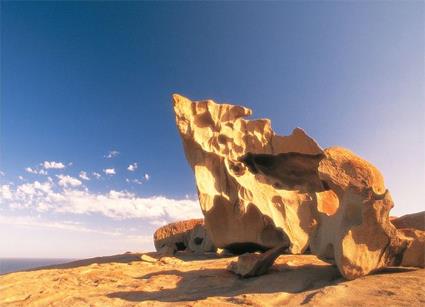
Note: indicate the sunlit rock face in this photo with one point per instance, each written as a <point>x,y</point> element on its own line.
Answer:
<point>260,190</point>
<point>243,210</point>
<point>350,211</point>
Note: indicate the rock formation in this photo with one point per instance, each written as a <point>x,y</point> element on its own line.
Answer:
<point>414,220</point>
<point>187,235</point>
<point>242,210</point>
<point>414,255</point>
<point>255,264</point>
<point>351,212</point>
<point>258,190</point>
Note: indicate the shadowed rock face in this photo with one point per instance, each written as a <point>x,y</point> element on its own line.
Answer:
<point>290,171</point>
<point>260,189</point>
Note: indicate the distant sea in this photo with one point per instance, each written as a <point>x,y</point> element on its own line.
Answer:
<point>8,265</point>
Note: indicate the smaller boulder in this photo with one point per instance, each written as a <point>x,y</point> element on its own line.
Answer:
<point>189,235</point>
<point>147,258</point>
<point>414,220</point>
<point>255,264</point>
<point>414,255</point>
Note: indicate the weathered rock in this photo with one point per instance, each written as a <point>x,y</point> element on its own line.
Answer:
<point>414,255</point>
<point>184,235</point>
<point>242,210</point>
<point>352,207</point>
<point>255,264</point>
<point>415,221</point>
<point>258,190</point>
<point>147,258</point>
<point>222,252</point>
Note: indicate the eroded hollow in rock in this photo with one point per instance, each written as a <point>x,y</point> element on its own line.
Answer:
<point>198,241</point>
<point>180,246</point>
<point>292,170</point>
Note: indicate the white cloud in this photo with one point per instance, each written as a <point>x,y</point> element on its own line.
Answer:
<point>109,171</point>
<point>2,173</point>
<point>34,189</point>
<point>42,172</point>
<point>97,175</point>
<point>5,192</point>
<point>83,175</point>
<point>118,205</point>
<point>66,181</point>
<point>147,177</point>
<point>132,167</point>
<point>31,170</point>
<point>137,181</point>
<point>35,171</point>
<point>32,221</point>
<point>20,178</point>
<point>53,165</point>
<point>112,154</point>
<point>124,205</point>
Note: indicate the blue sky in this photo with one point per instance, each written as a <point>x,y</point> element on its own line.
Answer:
<point>80,80</point>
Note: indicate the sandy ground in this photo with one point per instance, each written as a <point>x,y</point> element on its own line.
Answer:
<point>188,280</point>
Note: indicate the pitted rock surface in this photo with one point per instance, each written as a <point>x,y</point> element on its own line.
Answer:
<point>259,190</point>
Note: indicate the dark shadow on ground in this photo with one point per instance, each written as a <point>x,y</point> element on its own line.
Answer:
<point>391,270</point>
<point>189,256</point>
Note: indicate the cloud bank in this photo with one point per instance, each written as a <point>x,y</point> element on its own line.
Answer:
<point>68,195</point>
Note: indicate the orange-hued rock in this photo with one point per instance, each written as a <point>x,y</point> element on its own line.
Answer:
<point>263,190</point>
<point>363,239</point>
<point>414,255</point>
<point>255,264</point>
<point>202,280</point>
<point>351,211</point>
<point>183,235</point>
<point>414,220</point>
<point>242,210</point>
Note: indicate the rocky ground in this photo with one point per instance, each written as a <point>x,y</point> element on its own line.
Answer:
<point>188,280</point>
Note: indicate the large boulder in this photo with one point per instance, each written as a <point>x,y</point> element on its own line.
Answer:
<point>189,235</point>
<point>351,211</point>
<point>258,190</point>
<point>242,210</point>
